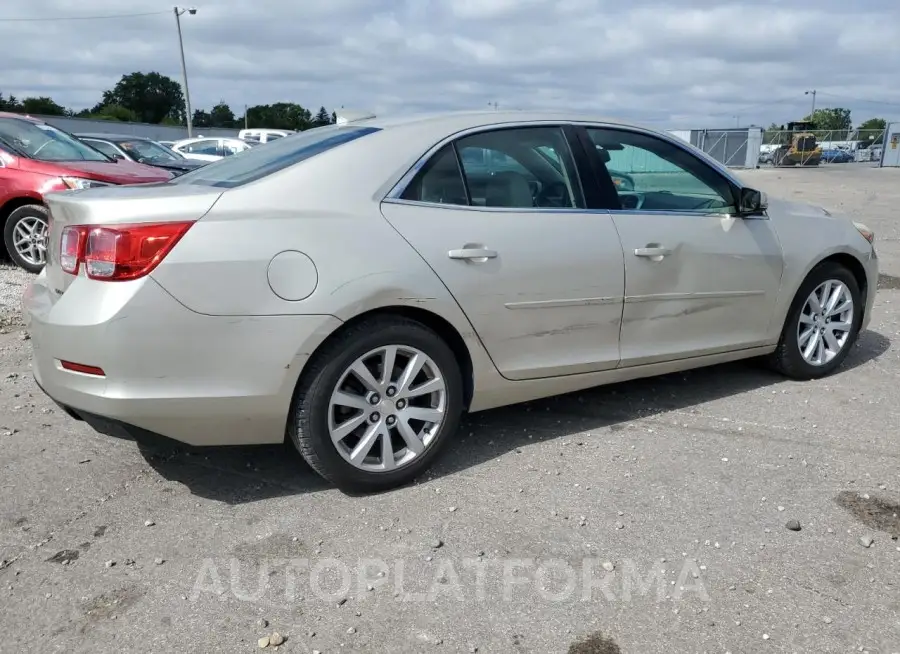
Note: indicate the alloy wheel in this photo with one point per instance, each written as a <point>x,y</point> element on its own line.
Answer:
<point>30,240</point>
<point>826,322</point>
<point>387,408</point>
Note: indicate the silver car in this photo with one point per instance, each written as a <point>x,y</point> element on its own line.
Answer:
<point>355,288</point>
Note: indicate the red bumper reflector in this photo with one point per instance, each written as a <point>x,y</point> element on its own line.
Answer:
<point>80,367</point>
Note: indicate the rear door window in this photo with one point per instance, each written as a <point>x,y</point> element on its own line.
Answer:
<point>106,148</point>
<point>207,146</point>
<point>523,167</point>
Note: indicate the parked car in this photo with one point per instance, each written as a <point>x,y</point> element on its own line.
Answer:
<point>204,148</point>
<point>836,155</point>
<point>263,135</point>
<point>37,158</point>
<point>142,150</point>
<point>355,288</point>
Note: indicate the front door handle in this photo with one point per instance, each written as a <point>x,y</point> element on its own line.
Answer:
<point>655,253</point>
<point>476,255</point>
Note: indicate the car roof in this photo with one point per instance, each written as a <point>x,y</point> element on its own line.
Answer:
<point>204,138</point>
<point>8,114</point>
<point>472,119</point>
<point>111,137</point>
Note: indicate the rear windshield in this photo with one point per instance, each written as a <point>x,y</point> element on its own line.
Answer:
<point>257,163</point>
<point>44,142</point>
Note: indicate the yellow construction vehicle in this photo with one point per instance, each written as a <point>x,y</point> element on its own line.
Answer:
<point>799,146</point>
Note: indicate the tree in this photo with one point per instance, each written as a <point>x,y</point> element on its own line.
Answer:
<point>151,96</point>
<point>322,118</point>
<point>871,131</point>
<point>9,103</point>
<point>281,115</point>
<point>831,120</point>
<point>772,133</point>
<point>201,118</point>
<point>221,115</point>
<point>42,105</point>
<point>114,112</point>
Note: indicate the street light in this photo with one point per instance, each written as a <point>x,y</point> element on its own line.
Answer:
<point>187,94</point>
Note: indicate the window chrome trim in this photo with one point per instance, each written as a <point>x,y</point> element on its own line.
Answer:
<point>575,210</point>
<point>673,212</point>
<point>469,207</point>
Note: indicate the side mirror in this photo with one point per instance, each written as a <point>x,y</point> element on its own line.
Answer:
<point>118,157</point>
<point>752,202</point>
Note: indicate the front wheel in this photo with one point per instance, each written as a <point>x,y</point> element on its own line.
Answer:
<point>25,236</point>
<point>377,404</point>
<point>822,324</point>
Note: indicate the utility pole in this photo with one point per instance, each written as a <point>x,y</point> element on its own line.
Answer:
<point>187,94</point>
<point>813,94</point>
<point>245,117</point>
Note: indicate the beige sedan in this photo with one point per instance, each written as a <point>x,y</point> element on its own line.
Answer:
<point>355,288</point>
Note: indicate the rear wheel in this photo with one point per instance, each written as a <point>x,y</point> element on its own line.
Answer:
<point>377,404</point>
<point>25,236</point>
<point>822,324</point>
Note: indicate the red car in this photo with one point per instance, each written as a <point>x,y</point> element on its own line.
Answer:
<point>37,158</point>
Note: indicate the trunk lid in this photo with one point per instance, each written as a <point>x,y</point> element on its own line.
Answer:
<point>120,172</point>
<point>111,172</point>
<point>150,203</point>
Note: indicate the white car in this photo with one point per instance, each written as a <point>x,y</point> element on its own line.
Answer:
<point>210,148</point>
<point>263,135</point>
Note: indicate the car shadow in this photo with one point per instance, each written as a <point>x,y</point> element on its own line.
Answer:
<point>237,475</point>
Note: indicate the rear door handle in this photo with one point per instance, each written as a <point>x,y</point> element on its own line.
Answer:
<point>652,253</point>
<point>477,255</point>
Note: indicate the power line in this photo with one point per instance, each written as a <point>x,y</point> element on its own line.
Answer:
<point>860,100</point>
<point>748,109</point>
<point>65,18</point>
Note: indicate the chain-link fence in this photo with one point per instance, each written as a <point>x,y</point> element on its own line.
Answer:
<point>735,148</point>
<point>815,147</point>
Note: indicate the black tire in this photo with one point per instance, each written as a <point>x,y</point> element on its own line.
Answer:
<point>17,215</point>
<point>308,426</point>
<point>787,358</point>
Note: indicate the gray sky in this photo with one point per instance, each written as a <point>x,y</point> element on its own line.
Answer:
<point>701,63</point>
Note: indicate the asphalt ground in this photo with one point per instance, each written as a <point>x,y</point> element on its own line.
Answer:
<point>636,518</point>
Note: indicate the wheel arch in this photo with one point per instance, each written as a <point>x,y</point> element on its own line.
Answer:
<point>848,260</point>
<point>438,324</point>
<point>14,203</point>
<point>6,210</point>
<point>857,269</point>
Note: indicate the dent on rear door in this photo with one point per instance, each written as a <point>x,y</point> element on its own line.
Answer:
<point>549,304</point>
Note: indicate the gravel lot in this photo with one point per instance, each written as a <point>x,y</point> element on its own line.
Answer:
<point>541,531</point>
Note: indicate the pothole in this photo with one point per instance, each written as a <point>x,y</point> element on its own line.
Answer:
<point>595,643</point>
<point>888,282</point>
<point>873,512</point>
<point>64,556</point>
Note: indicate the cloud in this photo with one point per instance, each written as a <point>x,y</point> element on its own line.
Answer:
<point>676,64</point>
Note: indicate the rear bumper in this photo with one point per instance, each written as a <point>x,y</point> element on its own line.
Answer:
<point>116,428</point>
<point>196,379</point>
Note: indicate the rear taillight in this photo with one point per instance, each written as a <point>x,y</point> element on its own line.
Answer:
<point>70,249</point>
<point>118,253</point>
